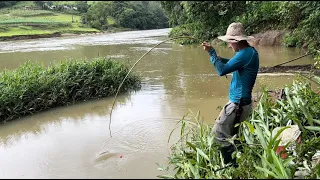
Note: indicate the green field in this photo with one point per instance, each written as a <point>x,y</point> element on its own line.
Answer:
<point>69,2</point>
<point>18,21</point>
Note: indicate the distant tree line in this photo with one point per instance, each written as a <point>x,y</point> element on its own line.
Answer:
<point>4,4</point>
<point>209,19</point>
<point>129,14</point>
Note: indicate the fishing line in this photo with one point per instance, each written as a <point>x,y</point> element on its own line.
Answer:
<point>179,37</point>
<point>310,53</point>
<point>295,59</point>
<point>189,37</point>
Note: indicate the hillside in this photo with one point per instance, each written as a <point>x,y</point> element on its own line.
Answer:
<point>25,19</point>
<point>35,19</point>
<point>299,20</point>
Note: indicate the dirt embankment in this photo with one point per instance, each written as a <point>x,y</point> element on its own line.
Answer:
<point>268,38</point>
<point>306,68</point>
<point>35,36</point>
<point>60,34</point>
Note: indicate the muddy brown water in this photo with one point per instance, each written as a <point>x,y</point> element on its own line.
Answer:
<point>74,141</point>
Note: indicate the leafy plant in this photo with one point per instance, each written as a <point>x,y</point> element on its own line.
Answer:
<point>301,18</point>
<point>196,154</point>
<point>33,88</point>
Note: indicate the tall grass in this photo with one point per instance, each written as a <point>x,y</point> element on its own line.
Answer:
<point>196,154</point>
<point>57,3</point>
<point>22,21</point>
<point>30,13</point>
<point>33,88</point>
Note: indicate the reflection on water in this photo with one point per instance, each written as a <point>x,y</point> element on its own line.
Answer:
<point>42,121</point>
<point>67,142</point>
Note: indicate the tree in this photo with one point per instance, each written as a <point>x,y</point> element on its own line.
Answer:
<point>145,4</point>
<point>39,3</point>
<point>202,19</point>
<point>82,6</point>
<point>127,14</point>
<point>175,12</point>
<point>7,3</point>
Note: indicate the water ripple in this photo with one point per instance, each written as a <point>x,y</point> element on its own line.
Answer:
<point>66,43</point>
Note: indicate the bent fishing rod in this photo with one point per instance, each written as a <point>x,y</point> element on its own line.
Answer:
<point>179,37</point>
<point>310,53</point>
<point>114,101</point>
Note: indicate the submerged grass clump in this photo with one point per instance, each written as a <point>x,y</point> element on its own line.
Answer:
<point>196,154</point>
<point>33,88</point>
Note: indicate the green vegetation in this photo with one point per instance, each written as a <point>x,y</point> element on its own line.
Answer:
<point>51,17</point>
<point>196,154</point>
<point>208,19</point>
<point>4,4</point>
<point>33,88</point>
<point>18,21</point>
<point>128,14</point>
<point>57,3</point>
<point>28,13</point>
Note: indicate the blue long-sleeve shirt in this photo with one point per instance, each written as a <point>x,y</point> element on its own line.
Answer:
<point>244,65</point>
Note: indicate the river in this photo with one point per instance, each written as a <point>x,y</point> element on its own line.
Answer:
<point>66,142</point>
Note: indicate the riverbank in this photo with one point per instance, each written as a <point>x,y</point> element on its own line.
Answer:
<point>268,38</point>
<point>291,69</point>
<point>61,34</point>
<point>19,23</point>
<point>33,88</point>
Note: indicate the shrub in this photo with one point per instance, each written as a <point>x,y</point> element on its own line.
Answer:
<point>33,88</point>
<point>196,154</point>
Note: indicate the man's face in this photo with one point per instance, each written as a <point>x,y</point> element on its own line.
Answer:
<point>234,46</point>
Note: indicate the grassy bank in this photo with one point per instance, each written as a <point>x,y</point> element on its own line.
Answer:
<point>33,88</point>
<point>17,21</point>
<point>30,24</point>
<point>36,19</point>
<point>196,154</point>
<point>36,22</point>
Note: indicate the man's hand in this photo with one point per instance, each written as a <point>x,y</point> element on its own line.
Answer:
<point>206,46</point>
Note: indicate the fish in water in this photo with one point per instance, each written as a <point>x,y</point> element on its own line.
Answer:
<point>106,155</point>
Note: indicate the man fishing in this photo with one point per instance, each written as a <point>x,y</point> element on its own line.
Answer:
<point>244,66</point>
